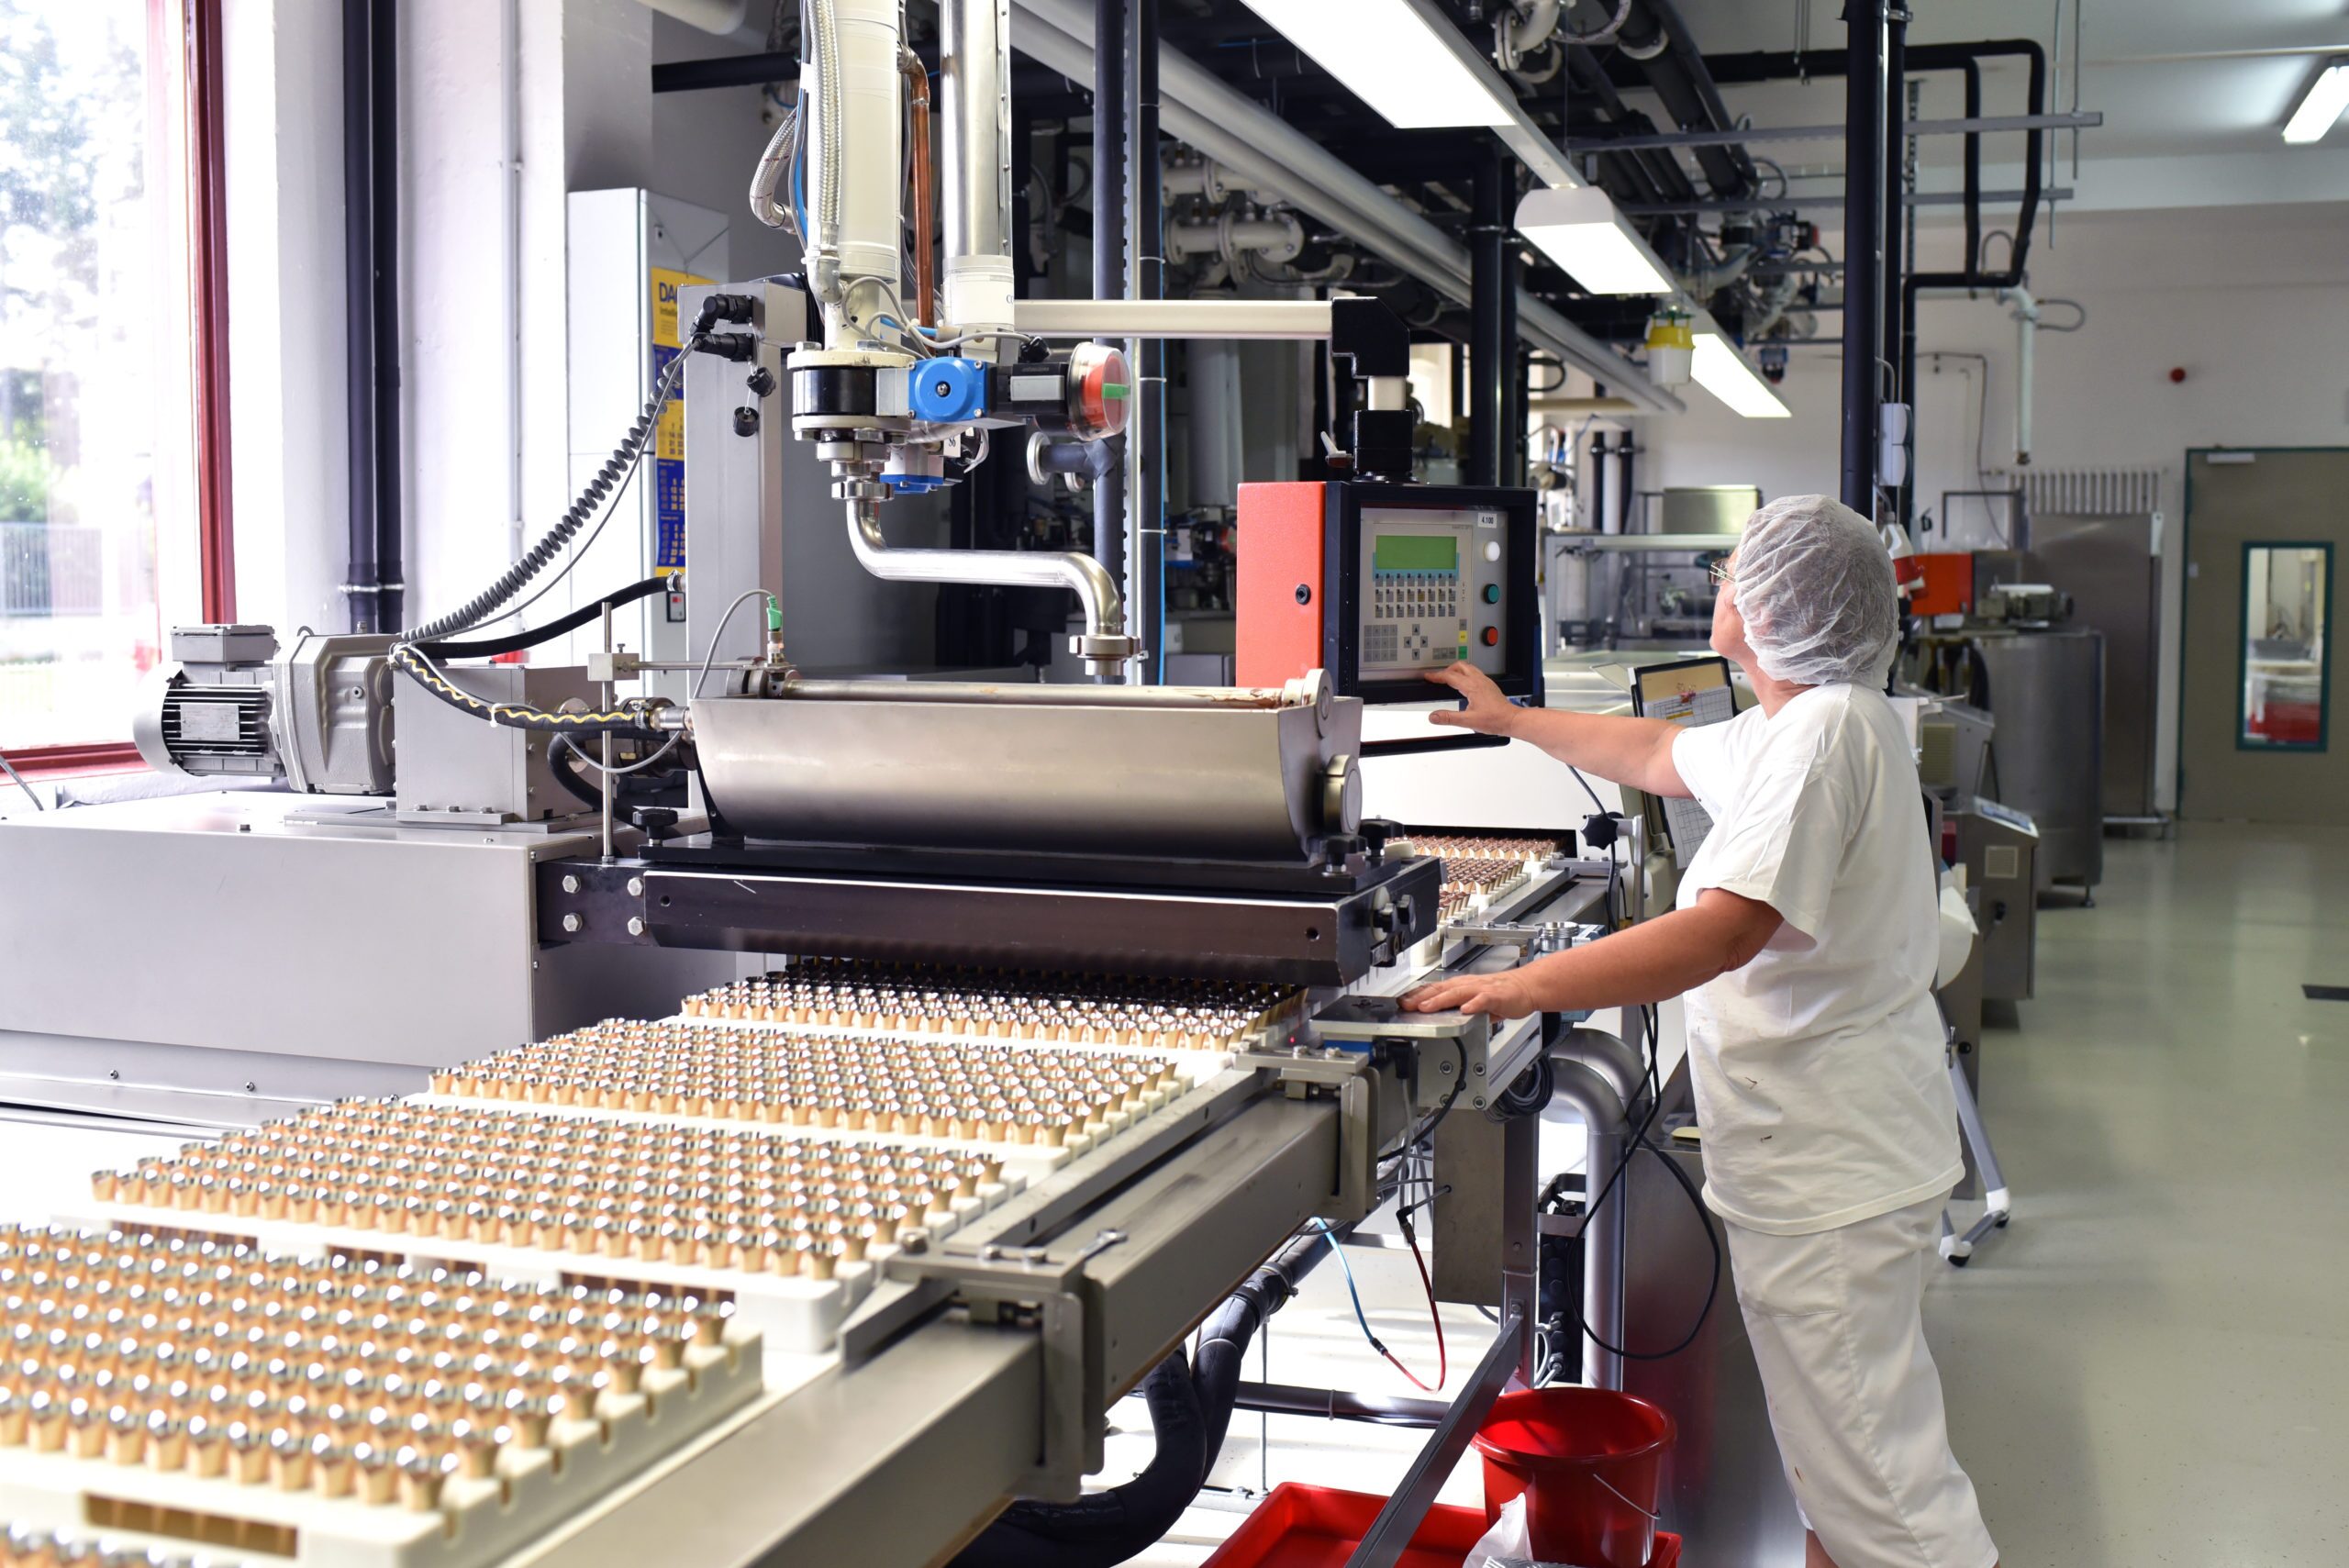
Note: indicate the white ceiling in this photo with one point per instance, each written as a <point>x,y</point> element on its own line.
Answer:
<point>2193,91</point>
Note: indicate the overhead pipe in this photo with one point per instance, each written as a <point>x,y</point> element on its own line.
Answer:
<point>1654,34</point>
<point>1145,282</point>
<point>975,78</point>
<point>1493,333</point>
<point>2026,366</point>
<point>1862,248</point>
<point>371,313</point>
<point>361,581</point>
<point>921,189</point>
<point>1898,218</point>
<point>1268,154</point>
<point>1108,253</point>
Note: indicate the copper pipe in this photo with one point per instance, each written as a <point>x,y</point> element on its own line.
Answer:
<point>922,190</point>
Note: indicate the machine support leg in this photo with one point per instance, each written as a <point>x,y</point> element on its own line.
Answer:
<point>1390,1533</point>
<point>1592,1091</point>
<point>1520,1227</point>
<point>1998,1202</point>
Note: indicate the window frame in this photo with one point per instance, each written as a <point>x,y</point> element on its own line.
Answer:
<point>2322,742</point>
<point>198,49</point>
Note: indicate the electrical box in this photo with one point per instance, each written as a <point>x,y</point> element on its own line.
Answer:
<point>1381,584</point>
<point>1948,586</point>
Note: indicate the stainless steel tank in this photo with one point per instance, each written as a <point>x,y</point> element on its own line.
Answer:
<point>2045,690</point>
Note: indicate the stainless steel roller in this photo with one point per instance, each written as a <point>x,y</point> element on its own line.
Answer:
<point>1213,775</point>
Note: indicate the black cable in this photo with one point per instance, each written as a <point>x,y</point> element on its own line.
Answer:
<point>490,647</point>
<point>1435,1118</point>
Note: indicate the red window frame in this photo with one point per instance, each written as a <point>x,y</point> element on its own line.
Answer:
<point>198,46</point>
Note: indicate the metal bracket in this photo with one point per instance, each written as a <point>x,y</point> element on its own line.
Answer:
<point>1025,1286</point>
<point>1535,937</point>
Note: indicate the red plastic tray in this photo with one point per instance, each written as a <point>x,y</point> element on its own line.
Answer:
<point>1318,1526</point>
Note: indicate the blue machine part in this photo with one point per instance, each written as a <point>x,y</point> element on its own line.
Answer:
<point>914,483</point>
<point>947,391</point>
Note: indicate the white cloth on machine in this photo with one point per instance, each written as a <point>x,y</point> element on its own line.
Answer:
<point>1836,1324</point>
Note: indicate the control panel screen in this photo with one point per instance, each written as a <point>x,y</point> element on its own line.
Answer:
<point>1416,552</point>
<point>1434,590</point>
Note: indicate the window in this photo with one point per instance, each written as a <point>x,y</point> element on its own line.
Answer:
<point>113,481</point>
<point>2287,601</point>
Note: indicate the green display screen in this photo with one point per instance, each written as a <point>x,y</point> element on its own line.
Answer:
<point>1416,552</point>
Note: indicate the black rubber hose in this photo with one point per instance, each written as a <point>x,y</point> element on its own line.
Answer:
<point>1223,1347</point>
<point>490,647</point>
<point>1109,1527</point>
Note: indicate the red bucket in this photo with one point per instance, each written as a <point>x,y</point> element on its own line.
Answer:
<point>1590,1462</point>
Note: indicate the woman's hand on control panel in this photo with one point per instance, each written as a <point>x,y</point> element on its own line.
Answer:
<point>1487,713</point>
<point>1505,995</point>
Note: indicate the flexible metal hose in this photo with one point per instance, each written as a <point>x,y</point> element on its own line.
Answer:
<point>616,469</point>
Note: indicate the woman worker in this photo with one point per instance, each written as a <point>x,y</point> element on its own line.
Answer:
<point>1804,943</point>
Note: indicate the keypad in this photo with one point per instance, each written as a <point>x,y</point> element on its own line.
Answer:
<point>1415,618</point>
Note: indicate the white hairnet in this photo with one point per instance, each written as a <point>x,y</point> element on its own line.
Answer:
<point>1814,584</point>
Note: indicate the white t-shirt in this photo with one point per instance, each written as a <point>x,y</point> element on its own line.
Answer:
<point>1818,1068</point>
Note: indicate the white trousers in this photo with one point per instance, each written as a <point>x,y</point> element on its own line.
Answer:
<point>1837,1327</point>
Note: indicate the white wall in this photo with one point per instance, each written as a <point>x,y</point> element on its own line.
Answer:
<point>2254,305</point>
<point>2251,303</point>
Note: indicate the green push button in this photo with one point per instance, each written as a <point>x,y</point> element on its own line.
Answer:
<point>1492,593</point>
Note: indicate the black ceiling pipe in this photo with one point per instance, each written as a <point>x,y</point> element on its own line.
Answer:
<point>1493,299</point>
<point>1863,206</point>
<point>1899,227</point>
<point>362,580</point>
<point>1660,173</point>
<point>726,71</point>
<point>383,111</point>
<point>1897,214</point>
<point>1665,50</point>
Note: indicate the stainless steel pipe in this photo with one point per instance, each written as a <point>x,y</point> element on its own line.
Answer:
<point>1105,642</point>
<point>975,170</point>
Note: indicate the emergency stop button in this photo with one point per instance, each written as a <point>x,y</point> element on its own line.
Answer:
<point>1492,635</point>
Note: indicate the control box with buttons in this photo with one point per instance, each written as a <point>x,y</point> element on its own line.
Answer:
<point>1382,584</point>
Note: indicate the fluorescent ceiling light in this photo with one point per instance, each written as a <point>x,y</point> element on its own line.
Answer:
<point>1581,231</point>
<point>1386,54</point>
<point>1720,369</point>
<point>2326,97</point>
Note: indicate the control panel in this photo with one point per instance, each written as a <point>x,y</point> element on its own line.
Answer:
<point>1435,592</point>
<point>1381,584</point>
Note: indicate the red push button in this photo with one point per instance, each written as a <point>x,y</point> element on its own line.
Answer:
<point>1492,635</point>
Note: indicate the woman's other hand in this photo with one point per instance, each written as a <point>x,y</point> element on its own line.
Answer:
<point>1487,713</point>
<point>1503,996</point>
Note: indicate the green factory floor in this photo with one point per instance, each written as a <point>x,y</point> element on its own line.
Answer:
<point>2150,1365</point>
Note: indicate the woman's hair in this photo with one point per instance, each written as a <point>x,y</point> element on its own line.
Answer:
<point>1814,584</point>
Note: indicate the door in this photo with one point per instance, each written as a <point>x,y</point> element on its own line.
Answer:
<point>2267,534</point>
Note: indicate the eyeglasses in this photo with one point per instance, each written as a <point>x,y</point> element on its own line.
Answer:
<point>1721,574</point>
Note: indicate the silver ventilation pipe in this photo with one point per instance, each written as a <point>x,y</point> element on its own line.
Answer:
<point>974,169</point>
